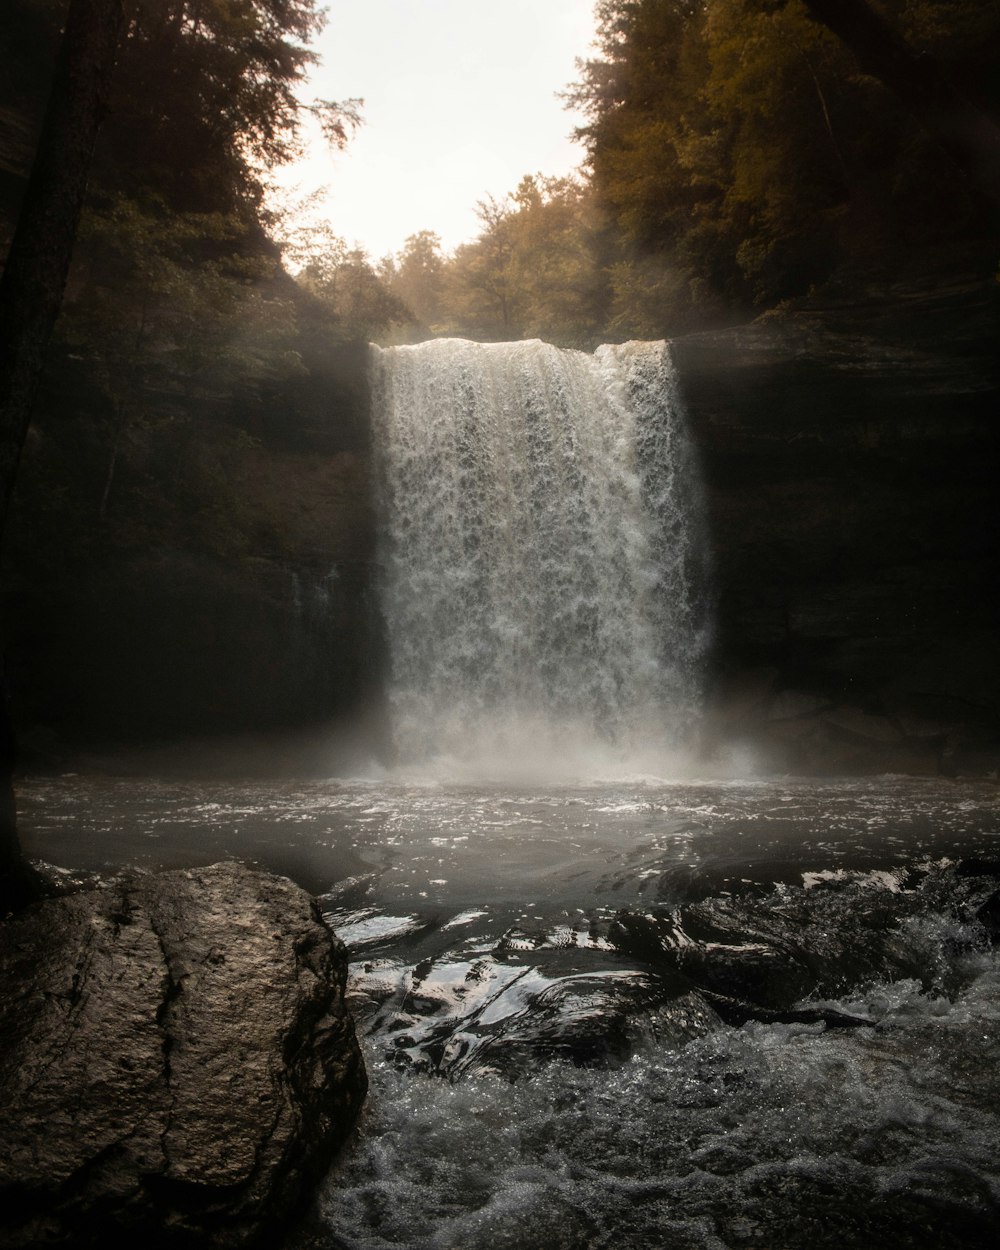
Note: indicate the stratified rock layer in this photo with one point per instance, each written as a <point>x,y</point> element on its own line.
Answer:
<point>176,1062</point>
<point>850,453</point>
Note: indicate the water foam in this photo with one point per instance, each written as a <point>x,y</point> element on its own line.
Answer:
<point>542,553</point>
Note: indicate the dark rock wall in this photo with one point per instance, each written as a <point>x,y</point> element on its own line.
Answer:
<point>167,643</point>
<point>153,644</point>
<point>849,450</point>
<point>850,456</point>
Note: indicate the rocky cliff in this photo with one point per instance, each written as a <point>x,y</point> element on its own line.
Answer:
<point>849,447</point>
<point>252,614</point>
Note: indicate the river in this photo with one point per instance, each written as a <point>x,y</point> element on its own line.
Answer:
<point>705,1014</point>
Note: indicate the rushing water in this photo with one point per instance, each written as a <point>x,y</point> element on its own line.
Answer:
<point>542,549</point>
<point>633,1015</point>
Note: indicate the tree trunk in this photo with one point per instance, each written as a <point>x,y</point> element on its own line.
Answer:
<point>968,132</point>
<point>33,283</point>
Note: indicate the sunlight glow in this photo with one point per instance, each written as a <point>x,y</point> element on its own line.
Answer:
<point>460,102</point>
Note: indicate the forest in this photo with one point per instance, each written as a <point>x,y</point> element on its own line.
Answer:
<point>734,157</point>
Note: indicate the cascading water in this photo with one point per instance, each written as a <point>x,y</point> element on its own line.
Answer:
<point>543,562</point>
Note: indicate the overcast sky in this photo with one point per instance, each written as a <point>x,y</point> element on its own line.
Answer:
<point>460,101</point>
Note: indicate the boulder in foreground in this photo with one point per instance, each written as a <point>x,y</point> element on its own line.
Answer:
<point>177,1066</point>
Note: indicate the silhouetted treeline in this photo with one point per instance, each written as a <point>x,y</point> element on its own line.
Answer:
<point>179,325</point>
<point>737,154</point>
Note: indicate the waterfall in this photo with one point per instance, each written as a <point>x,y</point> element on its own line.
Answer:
<point>542,554</point>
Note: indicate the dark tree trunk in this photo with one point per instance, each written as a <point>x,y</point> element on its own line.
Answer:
<point>33,283</point>
<point>969,133</point>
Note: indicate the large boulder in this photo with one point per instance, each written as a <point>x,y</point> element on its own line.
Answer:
<point>177,1066</point>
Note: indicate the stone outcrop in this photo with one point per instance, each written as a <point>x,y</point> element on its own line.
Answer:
<point>160,641</point>
<point>177,1066</point>
<point>167,643</point>
<point>850,455</point>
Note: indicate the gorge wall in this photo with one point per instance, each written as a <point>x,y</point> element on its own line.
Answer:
<point>167,638</point>
<point>850,452</point>
<point>850,459</point>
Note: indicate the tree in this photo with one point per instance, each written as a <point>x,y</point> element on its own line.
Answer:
<point>170,318</point>
<point>657,157</point>
<point>226,103</point>
<point>642,100</point>
<point>34,278</point>
<point>417,277</point>
<point>776,91</point>
<point>740,157</point>
<point>205,98</point>
<point>356,298</point>
<point>969,132</point>
<point>556,271</point>
<point>33,283</point>
<point>480,288</point>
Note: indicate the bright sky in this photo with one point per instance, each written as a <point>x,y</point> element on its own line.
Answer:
<point>460,102</point>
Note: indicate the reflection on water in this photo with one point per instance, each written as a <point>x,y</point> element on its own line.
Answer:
<point>440,846</point>
<point>702,1015</point>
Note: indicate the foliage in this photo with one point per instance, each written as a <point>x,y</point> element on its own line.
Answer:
<point>480,279</point>
<point>224,107</point>
<point>179,326</point>
<point>740,155</point>
<point>415,276</point>
<point>352,293</point>
<point>734,156</point>
<point>533,271</point>
<point>165,338</point>
<point>553,273</point>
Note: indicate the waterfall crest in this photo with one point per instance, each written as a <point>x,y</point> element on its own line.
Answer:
<point>542,557</point>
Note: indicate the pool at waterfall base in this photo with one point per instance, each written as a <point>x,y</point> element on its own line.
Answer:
<point>636,1013</point>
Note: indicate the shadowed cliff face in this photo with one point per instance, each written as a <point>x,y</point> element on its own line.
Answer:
<point>161,641</point>
<point>850,457</point>
<point>163,638</point>
<point>850,453</point>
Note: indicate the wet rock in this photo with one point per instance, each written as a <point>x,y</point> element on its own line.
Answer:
<point>976,866</point>
<point>177,1066</point>
<point>755,958</point>
<point>794,704</point>
<point>989,917</point>
<point>737,1011</point>
<point>854,723</point>
<point>592,1021</point>
<point>717,952</point>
